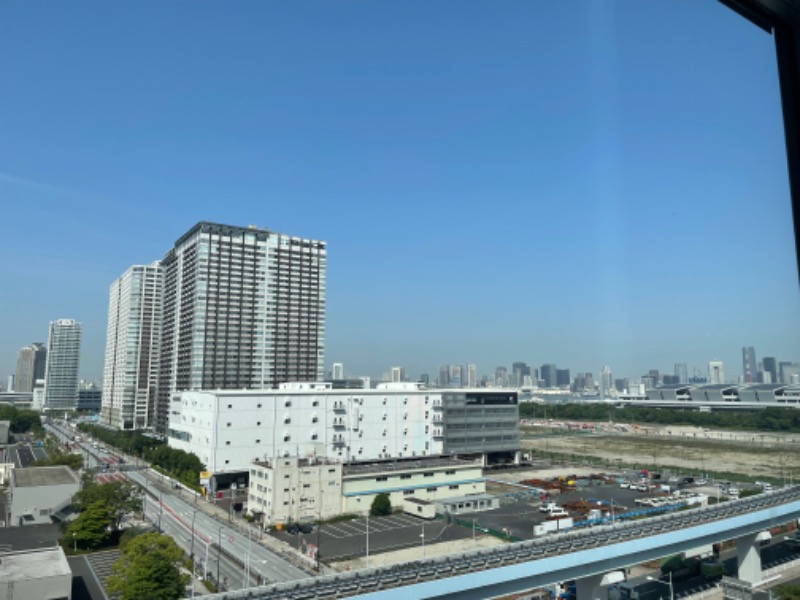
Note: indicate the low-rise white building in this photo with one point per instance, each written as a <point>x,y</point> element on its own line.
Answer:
<point>39,492</point>
<point>431,479</point>
<point>291,489</point>
<point>43,573</point>
<point>295,489</point>
<point>229,429</point>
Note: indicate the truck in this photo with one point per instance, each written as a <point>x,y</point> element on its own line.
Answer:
<point>551,526</point>
<point>547,507</point>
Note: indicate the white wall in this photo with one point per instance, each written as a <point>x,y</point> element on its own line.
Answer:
<point>228,429</point>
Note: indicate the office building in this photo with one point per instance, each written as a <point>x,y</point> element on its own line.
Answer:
<point>456,377</point>
<point>520,370</point>
<point>243,308</point>
<point>63,362</point>
<point>39,493</point>
<point>716,372</point>
<point>500,377</point>
<point>31,362</point>
<point>562,378</point>
<point>771,367</point>
<point>10,384</point>
<point>90,398</point>
<point>549,375</point>
<point>790,373</point>
<point>749,370</point>
<point>133,338</point>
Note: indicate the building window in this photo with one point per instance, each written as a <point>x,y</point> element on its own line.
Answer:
<point>258,406</point>
<point>449,472</point>
<point>431,490</point>
<point>258,441</point>
<point>288,403</point>
<point>408,492</point>
<point>428,474</point>
<point>315,403</point>
<point>286,438</point>
<point>381,479</point>
<point>227,462</point>
<point>405,476</point>
<point>313,436</point>
<point>230,405</point>
<point>227,443</point>
<point>453,487</point>
<point>258,423</point>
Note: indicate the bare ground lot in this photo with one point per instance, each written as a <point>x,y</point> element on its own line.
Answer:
<point>688,449</point>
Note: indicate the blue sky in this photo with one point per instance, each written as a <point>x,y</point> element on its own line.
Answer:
<point>580,182</point>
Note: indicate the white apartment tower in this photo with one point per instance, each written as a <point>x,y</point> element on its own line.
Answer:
<point>130,372</point>
<point>716,372</point>
<point>243,308</point>
<point>338,371</point>
<point>63,361</point>
<point>31,362</point>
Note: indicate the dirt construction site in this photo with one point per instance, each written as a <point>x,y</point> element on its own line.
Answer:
<point>686,449</point>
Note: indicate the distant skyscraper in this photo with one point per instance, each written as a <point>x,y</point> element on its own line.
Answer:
<point>425,378</point>
<point>790,373</point>
<point>398,374</point>
<point>771,366</point>
<point>133,338</point>
<point>10,384</point>
<point>500,377</point>
<point>682,373</point>
<point>338,371</point>
<point>549,375</point>
<point>242,308</point>
<point>749,370</point>
<point>444,376</point>
<point>63,362</point>
<point>562,378</point>
<point>716,372</point>
<point>455,376</point>
<point>472,376</point>
<point>31,362</point>
<point>520,370</point>
<point>606,380</point>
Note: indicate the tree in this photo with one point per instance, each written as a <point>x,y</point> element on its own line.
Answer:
<point>381,505</point>
<point>148,568</point>
<point>91,529</point>
<point>789,591</point>
<point>121,497</point>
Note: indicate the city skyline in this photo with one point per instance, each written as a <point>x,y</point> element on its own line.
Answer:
<point>542,195</point>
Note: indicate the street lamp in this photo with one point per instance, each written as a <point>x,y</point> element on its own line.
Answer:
<point>219,552</point>
<point>74,543</point>
<point>367,541</point>
<point>671,591</point>
<point>422,536</point>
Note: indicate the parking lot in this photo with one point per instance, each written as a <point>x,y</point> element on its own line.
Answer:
<point>348,539</point>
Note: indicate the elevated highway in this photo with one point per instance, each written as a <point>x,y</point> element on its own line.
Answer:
<point>583,555</point>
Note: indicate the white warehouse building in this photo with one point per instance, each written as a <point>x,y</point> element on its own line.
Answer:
<point>229,429</point>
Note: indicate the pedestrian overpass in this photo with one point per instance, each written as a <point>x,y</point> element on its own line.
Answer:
<point>585,555</point>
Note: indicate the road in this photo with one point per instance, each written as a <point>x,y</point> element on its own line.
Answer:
<point>209,530</point>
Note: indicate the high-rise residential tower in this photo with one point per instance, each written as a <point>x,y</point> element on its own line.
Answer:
<point>749,369</point>
<point>337,371</point>
<point>716,372</point>
<point>63,361</point>
<point>682,373</point>
<point>133,338</point>
<point>549,375</point>
<point>31,362</point>
<point>242,308</point>
<point>472,376</point>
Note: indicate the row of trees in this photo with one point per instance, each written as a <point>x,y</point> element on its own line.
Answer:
<point>184,466</point>
<point>773,419</point>
<point>21,420</point>
<point>102,507</point>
